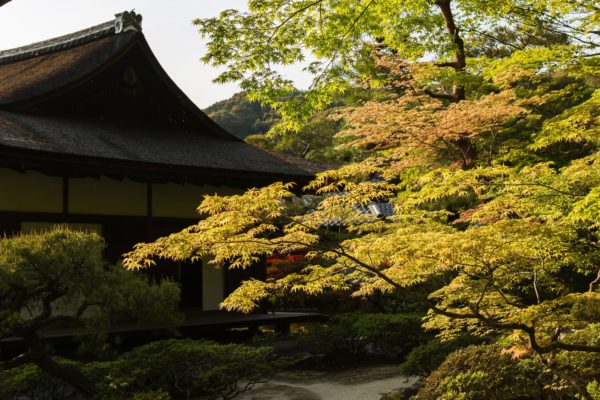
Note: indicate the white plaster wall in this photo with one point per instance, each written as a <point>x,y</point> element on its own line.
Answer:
<point>182,200</point>
<point>106,196</point>
<point>29,192</point>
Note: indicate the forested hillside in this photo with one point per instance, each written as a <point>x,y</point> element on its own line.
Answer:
<point>242,117</point>
<point>317,140</point>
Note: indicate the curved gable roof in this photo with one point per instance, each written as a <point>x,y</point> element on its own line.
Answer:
<point>40,81</point>
<point>38,74</point>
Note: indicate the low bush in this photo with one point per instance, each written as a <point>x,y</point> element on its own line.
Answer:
<point>186,368</point>
<point>427,357</point>
<point>388,335</point>
<point>160,370</point>
<point>484,372</point>
<point>30,382</point>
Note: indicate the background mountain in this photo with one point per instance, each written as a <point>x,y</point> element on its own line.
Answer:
<point>242,117</point>
<point>316,141</point>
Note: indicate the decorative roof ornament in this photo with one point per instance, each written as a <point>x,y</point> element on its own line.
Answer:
<point>128,21</point>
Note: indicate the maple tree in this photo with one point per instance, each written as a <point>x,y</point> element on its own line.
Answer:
<point>491,164</point>
<point>334,41</point>
<point>506,239</point>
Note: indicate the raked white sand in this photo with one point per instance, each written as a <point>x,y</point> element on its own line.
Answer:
<point>368,383</point>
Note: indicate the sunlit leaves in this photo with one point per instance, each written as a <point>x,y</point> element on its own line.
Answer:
<point>420,130</point>
<point>580,124</point>
<point>588,208</point>
<point>495,197</point>
<point>247,297</point>
<point>334,41</point>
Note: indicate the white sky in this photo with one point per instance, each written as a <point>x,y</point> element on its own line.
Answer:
<point>167,26</point>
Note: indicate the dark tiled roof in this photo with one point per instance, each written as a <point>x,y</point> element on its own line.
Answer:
<point>300,163</point>
<point>140,143</point>
<point>26,78</point>
<point>38,74</point>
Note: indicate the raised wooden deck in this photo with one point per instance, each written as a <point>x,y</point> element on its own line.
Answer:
<point>196,322</point>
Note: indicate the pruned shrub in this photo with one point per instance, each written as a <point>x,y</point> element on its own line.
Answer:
<point>389,335</point>
<point>30,382</point>
<point>427,357</point>
<point>188,368</point>
<point>484,372</point>
<point>162,370</point>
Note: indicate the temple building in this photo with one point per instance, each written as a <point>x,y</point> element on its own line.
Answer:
<point>94,134</point>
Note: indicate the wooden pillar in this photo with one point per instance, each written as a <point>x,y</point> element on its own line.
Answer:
<point>149,230</point>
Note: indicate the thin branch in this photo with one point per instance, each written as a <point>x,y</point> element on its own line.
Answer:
<point>337,52</point>
<point>494,38</point>
<point>594,282</point>
<point>483,292</point>
<point>450,64</point>
<point>290,17</point>
<point>535,288</point>
<point>536,184</point>
<point>16,362</point>
<point>530,331</point>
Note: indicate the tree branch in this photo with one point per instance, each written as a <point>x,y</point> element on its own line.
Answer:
<point>290,17</point>
<point>530,331</point>
<point>451,64</point>
<point>16,362</point>
<point>441,96</point>
<point>594,282</point>
<point>460,60</point>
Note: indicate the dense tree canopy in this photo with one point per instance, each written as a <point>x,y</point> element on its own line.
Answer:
<point>335,41</point>
<point>490,159</point>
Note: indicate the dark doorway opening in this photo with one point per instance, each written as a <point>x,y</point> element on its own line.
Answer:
<point>191,285</point>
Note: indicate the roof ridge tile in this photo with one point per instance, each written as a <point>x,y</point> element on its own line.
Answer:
<point>122,22</point>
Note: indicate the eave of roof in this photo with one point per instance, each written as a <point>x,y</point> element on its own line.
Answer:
<point>160,146</point>
<point>69,165</point>
<point>58,43</point>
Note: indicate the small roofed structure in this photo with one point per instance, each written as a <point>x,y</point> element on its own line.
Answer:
<point>93,133</point>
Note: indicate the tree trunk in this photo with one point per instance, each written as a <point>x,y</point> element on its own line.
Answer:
<point>65,373</point>
<point>465,145</point>
<point>460,60</point>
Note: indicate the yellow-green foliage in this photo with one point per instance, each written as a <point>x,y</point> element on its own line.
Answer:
<point>496,193</point>
<point>483,372</point>
<point>334,41</point>
<point>513,248</point>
